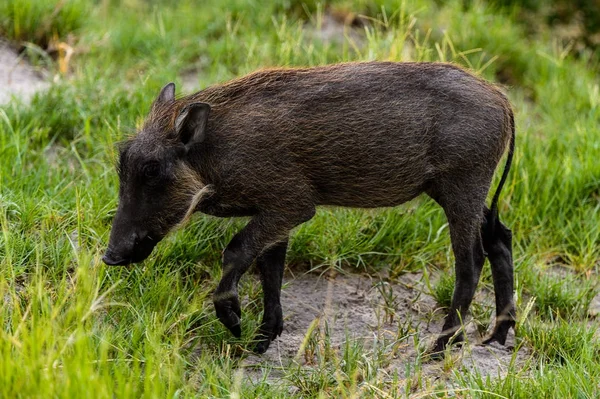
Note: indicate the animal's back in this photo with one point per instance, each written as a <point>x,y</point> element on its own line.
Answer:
<point>363,134</point>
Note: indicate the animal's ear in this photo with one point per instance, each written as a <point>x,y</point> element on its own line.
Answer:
<point>191,123</point>
<point>167,94</point>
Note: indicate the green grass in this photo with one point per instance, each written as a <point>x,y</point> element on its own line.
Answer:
<point>39,22</point>
<point>72,327</point>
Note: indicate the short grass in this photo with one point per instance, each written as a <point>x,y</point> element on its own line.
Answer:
<point>72,327</point>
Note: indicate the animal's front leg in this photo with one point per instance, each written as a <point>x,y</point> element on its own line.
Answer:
<point>270,265</point>
<point>263,231</point>
<point>237,258</point>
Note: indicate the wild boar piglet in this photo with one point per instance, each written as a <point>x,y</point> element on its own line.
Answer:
<point>277,143</point>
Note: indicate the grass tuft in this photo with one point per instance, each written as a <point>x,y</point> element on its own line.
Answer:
<point>41,21</point>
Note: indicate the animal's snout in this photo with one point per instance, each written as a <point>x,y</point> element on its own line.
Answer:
<point>129,248</point>
<point>110,259</point>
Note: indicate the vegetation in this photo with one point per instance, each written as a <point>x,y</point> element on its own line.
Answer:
<point>72,327</point>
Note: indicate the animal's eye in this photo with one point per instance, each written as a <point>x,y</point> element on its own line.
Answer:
<point>151,170</point>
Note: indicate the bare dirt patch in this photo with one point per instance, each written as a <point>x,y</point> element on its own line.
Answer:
<point>594,308</point>
<point>397,322</point>
<point>17,77</point>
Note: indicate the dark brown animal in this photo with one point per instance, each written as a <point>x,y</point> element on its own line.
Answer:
<point>275,144</point>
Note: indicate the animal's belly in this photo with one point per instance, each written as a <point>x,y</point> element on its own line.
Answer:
<point>373,197</point>
<point>364,187</point>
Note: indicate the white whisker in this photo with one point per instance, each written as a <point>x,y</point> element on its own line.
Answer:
<point>206,190</point>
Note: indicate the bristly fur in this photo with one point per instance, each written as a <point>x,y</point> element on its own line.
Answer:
<point>259,82</point>
<point>123,147</point>
<point>277,143</point>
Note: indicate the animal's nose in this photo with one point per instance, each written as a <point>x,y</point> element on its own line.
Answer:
<point>121,251</point>
<point>111,260</point>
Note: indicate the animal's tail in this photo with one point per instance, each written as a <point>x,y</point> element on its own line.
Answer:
<point>493,213</point>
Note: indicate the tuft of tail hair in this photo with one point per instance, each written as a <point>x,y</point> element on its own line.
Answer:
<point>491,216</point>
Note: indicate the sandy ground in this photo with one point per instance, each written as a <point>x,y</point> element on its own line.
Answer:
<point>17,77</point>
<point>353,307</point>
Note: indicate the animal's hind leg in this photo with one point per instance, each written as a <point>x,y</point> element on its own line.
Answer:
<point>497,242</point>
<point>464,219</point>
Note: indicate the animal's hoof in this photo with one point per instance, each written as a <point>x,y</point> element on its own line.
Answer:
<point>262,345</point>
<point>437,352</point>
<point>495,338</point>
<point>500,332</point>
<point>227,307</point>
<point>433,356</point>
<point>442,342</point>
<point>236,330</point>
<point>271,328</point>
